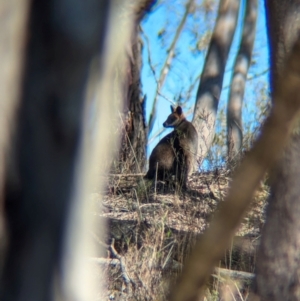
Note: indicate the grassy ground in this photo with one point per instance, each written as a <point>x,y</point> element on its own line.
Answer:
<point>151,229</point>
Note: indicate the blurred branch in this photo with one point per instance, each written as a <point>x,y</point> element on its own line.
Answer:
<point>275,133</point>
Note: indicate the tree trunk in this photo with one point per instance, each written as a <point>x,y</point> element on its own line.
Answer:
<point>210,87</point>
<point>238,82</point>
<point>278,269</point>
<point>63,38</point>
<point>132,155</point>
<point>12,41</point>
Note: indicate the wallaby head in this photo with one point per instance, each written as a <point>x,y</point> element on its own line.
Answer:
<point>175,118</point>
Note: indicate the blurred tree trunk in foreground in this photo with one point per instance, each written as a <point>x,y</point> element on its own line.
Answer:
<point>132,155</point>
<point>211,82</point>
<point>278,266</point>
<point>238,82</point>
<point>45,169</point>
<point>13,20</point>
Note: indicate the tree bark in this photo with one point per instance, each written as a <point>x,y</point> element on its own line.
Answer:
<point>210,87</point>
<point>238,82</point>
<point>278,269</point>
<point>132,155</point>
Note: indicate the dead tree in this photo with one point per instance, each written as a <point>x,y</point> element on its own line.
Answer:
<point>238,82</point>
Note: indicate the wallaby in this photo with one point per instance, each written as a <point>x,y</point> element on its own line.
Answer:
<point>175,154</point>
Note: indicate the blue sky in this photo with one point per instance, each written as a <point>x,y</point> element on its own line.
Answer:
<point>188,64</point>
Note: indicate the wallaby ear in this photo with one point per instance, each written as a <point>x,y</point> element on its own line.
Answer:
<point>179,110</point>
<point>172,109</point>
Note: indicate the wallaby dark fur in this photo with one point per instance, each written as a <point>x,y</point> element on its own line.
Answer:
<point>175,154</point>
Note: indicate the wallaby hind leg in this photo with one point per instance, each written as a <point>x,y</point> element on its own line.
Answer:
<point>184,173</point>
<point>181,176</point>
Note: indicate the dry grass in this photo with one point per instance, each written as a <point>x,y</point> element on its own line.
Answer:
<point>151,230</point>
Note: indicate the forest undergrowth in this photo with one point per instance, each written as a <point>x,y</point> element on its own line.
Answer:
<point>152,226</point>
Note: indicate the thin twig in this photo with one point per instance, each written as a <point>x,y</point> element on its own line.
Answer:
<point>128,281</point>
<point>126,174</point>
<point>139,212</point>
<point>155,180</point>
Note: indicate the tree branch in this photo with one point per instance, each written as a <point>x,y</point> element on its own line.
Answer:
<point>166,67</point>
